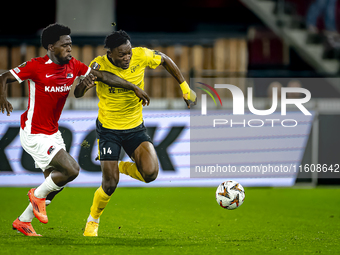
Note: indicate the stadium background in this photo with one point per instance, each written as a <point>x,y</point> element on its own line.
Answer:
<point>209,40</point>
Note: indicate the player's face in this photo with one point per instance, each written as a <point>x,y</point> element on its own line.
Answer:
<point>121,56</point>
<point>62,49</point>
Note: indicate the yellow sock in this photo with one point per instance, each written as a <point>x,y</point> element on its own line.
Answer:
<point>100,200</point>
<point>130,169</point>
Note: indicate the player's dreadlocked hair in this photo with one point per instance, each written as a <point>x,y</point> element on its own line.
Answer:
<point>52,33</point>
<point>116,39</point>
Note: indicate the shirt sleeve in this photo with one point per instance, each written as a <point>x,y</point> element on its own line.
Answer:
<point>83,70</point>
<point>153,58</point>
<point>95,65</point>
<point>24,71</point>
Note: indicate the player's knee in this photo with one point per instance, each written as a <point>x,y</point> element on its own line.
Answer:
<point>151,174</point>
<point>150,178</point>
<point>110,177</point>
<point>109,186</point>
<point>73,172</point>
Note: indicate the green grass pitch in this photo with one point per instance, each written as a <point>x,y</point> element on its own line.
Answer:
<point>180,221</point>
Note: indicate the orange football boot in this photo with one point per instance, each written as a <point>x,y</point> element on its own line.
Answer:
<point>39,206</point>
<point>24,227</point>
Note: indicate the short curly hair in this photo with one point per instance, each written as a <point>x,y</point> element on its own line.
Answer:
<point>52,33</point>
<point>115,39</point>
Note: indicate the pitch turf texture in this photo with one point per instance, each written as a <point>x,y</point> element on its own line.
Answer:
<point>180,221</point>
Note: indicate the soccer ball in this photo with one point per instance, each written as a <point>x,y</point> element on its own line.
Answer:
<point>230,195</point>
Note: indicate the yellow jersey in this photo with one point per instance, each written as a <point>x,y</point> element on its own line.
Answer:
<point>120,108</point>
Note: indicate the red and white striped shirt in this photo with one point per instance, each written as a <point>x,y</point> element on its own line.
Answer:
<point>49,85</point>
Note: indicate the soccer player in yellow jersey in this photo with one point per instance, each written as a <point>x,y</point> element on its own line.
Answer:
<point>120,119</point>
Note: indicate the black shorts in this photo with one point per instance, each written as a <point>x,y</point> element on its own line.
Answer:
<point>110,141</point>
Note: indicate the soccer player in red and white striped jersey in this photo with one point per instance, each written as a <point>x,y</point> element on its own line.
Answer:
<point>49,80</point>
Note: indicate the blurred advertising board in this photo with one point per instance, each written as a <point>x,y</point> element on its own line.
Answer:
<point>170,131</point>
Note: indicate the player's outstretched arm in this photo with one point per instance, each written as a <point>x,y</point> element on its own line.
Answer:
<point>112,80</point>
<point>115,81</point>
<point>189,95</point>
<point>5,78</point>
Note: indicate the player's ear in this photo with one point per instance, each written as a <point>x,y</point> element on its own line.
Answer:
<point>50,47</point>
<point>109,53</point>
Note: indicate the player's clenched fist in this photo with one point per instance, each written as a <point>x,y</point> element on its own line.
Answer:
<point>84,85</point>
<point>189,95</point>
<point>5,105</point>
<point>142,95</point>
<point>88,81</point>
